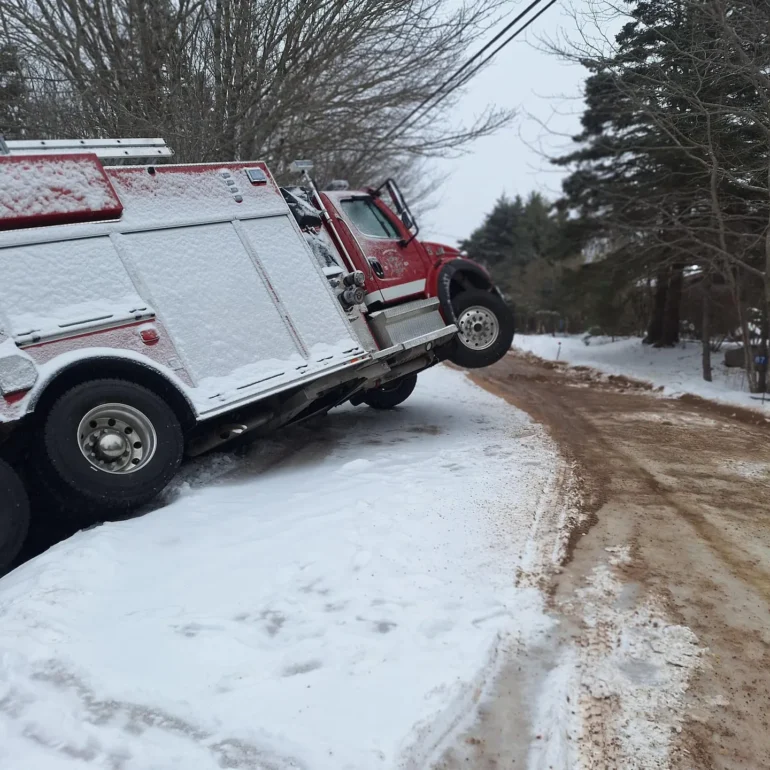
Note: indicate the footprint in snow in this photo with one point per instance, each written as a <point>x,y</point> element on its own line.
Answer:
<point>361,559</point>
<point>355,465</point>
<point>434,628</point>
<point>380,626</point>
<point>191,630</point>
<point>301,668</point>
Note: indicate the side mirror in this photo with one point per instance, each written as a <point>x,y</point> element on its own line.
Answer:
<point>402,209</point>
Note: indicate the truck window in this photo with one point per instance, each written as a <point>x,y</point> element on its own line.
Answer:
<point>369,219</point>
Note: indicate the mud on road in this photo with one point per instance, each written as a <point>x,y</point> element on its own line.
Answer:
<point>678,490</point>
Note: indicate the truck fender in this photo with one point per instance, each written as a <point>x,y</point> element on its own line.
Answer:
<point>70,369</point>
<point>459,274</point>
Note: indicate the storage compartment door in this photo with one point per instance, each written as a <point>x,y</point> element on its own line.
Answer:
<point>302,287</point>
<point>206,289</point>
<point>64,286</point>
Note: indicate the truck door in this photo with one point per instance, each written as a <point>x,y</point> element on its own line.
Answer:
<point>395,269</point>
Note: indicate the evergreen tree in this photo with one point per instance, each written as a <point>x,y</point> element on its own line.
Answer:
<point>499,243</point>
<point>651,138</point>
<point>524,245</point>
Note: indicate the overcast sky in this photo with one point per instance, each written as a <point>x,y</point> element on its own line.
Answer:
<point>542,89</point>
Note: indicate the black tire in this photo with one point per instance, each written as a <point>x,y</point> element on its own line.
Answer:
<point>463,353</point>
<point>14,515</point>
<point>90,493</point>
<point>391,395</point>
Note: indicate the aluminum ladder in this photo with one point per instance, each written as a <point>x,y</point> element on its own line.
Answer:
<point>102,148</point>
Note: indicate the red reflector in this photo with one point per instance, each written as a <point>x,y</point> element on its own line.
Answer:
<point>17,395</point>
<point>149,336</point>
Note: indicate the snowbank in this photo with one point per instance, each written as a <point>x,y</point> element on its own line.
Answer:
<point>677,370</point>
<point>334,599</point>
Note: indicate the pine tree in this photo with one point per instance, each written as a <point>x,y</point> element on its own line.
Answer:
<point>641,175</point>
<point>500,243</point>
<point>524,245</point>
<point>669,170</point>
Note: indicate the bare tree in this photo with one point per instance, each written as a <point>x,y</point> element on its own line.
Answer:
<point>276,79</point>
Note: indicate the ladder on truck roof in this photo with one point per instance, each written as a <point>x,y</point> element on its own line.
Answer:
<point>102,148</point>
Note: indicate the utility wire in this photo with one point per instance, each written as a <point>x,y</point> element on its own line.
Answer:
<point>426,103</point>
<point>467,64</point>
<point>497,50</point>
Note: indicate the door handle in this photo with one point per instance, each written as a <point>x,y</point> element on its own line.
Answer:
<point>376,266</point>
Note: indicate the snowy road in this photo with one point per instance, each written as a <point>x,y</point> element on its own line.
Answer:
<point>336,598</point>
<point>664,603</point>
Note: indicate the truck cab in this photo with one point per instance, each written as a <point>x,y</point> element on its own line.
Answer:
<point>376,229</point>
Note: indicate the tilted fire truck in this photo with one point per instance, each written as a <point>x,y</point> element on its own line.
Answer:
<point>153,311</point>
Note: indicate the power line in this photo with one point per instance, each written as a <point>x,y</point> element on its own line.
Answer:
<point>467,64</point>
<point>498,49</point>
<point>438,92</point>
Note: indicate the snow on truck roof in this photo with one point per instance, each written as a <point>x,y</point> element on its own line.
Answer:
<point>40,190</point>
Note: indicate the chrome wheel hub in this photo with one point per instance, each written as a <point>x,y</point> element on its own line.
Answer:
<point>117,438</point>
<point>478,328</point>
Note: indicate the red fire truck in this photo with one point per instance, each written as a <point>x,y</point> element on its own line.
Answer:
<point>377,232</point>
<point>153,311</point>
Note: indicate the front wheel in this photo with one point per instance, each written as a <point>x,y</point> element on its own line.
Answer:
<point>391,395</point>
<point>485,329</point>
<point>14,515</point>
<point>107,447</point>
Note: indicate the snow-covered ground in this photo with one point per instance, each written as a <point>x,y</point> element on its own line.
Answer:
<point>677,370</point>
<point>335,598</point>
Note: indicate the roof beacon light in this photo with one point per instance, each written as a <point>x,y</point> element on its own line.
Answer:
<point>300,166</point>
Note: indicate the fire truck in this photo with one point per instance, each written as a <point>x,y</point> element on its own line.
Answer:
<point>151,312</point>
<point>377,232</point>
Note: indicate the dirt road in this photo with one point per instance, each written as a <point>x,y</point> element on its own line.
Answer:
<point>675,510</point>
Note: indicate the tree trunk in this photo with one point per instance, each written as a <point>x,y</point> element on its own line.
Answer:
<point>670,335</point>
<point>655,329</point>
<point>762,364</point>
<point>705,331</point>
<point>765,311</point>
<point>751,372</point>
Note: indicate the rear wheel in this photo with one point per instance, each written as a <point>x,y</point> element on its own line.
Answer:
<point>391,395</point>
<point>485,329</point>
<point>14,515</point>
<point>107,447</point>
